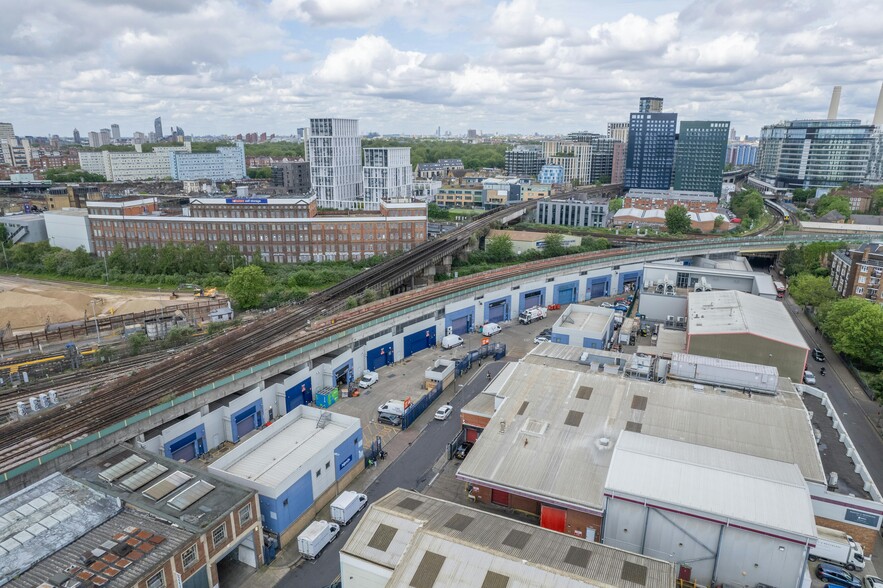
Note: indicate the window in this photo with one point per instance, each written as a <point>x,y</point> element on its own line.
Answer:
<point>189,557</point>
<point>859,290</point>
<point>219,535</point>
<point>157,580</point>
<point>318,472</point>
<point>327,464</point>
<point>245,514</point>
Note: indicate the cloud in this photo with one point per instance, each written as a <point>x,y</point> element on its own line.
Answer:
<point>519,23</point>
<point>428,14</point>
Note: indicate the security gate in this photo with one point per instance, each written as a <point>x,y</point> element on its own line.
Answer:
<point>497,311</point>
<point>462,325</point>
<point>598,289</point>
<point>567,295</point>
<point>532,299</point>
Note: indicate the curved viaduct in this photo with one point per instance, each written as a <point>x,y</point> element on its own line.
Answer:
<point>49,444</point>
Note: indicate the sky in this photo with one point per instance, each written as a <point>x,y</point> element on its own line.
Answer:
<point>410,66</point>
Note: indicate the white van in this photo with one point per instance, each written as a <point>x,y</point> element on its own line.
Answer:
<point>490,329</point>
<point>451,341</point>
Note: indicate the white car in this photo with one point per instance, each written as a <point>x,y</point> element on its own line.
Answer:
<point>368,379</point>
<point>444,412</point>
<point>873,582</point>
<point>809,378</point>
<point>607,305</point>
<point>541,339</point>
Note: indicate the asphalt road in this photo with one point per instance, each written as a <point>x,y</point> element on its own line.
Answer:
<point>850,409</point>
<point>412,470</point>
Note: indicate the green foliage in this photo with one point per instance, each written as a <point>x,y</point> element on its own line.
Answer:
<point>810,258</point>
<point>876,202</point>
<point>176,337</point>
<point>830,202</point>
<point>260,173</point>
<point>854,326</point>
<point>474,156</point>
<point>747,204</point>
<point>554,245</point>
<point>4,234</point>
<point>106,354</point>
<point>809,290</point>
<point>72,173</point>
<point>499,248</point>
<point>677,220</point>
<point>615,205</point>
<point>275,149</point>
<point>801,195</point>
<point>437,213</point>
<point>718,222</point>
<point>137,341</point>
<point>247,286</point>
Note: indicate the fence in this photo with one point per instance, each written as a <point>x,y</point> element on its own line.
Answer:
<point>72,331</point>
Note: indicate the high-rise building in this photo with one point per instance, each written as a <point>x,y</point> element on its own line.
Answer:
<point>292,176</point>
<point>471,134</point>
<point>157,128</point>
<point>104,137</point>
<point>138,137</point>
<point>6,131</point>
<point>617,173</point>
<point>650,104</point>
<point>226,163</point>
<point>387,174</point>
<point>618,131</point>
<point>334,152</point>
<point>524,160</point>
<point>76,137</point>
<point>818,153</point>
<point>586,160</point>
<point>115,132</point>
<point>651,150</point>
<point>701,151</point>
<point>94,139</point>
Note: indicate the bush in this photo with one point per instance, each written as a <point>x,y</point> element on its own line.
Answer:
<point>177,336</point>
<point>137,341</point>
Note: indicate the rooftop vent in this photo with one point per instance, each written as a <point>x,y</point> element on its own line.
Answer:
<point>577,556</point>
<point>383,536</point>
<point>632,572</point>
<point>495,580</point>
<point>517,539</point>
<point>603,443</point>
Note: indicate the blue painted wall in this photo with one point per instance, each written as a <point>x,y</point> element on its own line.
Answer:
<point>624,276</point>
<point>195,435</point>
<point>605,280</point>
<point>299,498</point>
<point>380,356</point>
<point>257,410</point>
<point>559,338</point>
<point>522,305</point>
<point>508,314</point>
<point>420,340</point>
<point>556,296</point>
<point>300,393</point>
<point>593,343</point>
<point>450,317</point>
<point>346,455</point>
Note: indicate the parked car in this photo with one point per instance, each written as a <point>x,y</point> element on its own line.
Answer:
<point>873,582</point>
<point>621,307</point>
<point>606,305</point>
<point>368,379</point>
<point>444,412</point>
<point>837,576</point>
<point>390,419</point>
<point>619,301</point>
<point>541,339</point>
<point>809,378</point>
<point>818,355</point>
<point>463,450</point>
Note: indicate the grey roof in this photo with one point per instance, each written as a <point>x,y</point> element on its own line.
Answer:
<point>143,560</point>
<point>131,486</point>
<point>483,404</point>
<point>537,454</point>
<point>39,519</point>
<point>723,483</point>
<point>432,542</point>
<point>726,312</point>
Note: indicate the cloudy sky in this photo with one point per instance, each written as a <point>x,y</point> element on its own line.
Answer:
<point>510,66</point>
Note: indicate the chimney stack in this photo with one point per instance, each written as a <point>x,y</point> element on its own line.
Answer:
<point>878,114</point>
<point>835,103</point>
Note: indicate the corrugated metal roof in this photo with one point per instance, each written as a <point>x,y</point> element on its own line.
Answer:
<point>471,551</point>
<point>569,464</point>
<point>726,363</point>
<point>760,492</point>
<point>729,311</point>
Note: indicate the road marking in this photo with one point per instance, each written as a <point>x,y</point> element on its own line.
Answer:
<point>432,481</point>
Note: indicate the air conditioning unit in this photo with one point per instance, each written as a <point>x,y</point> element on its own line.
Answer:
<point>682,320</point>
<point>22,408</point>
<point>670,318</point>
<point>53,397</point>
<point>44,400</point>
<point>449,331</point>
<point>35,403</point>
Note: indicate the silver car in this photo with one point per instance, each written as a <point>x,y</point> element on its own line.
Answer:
<point>809,378</point>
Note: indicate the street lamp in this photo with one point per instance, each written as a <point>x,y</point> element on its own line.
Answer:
<point>95,318</point>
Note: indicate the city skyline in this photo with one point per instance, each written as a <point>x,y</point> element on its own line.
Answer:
<point>223,67</point>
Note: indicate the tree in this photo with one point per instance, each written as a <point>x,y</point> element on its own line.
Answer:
<point>677,220</point>
<point>854,325</point>
<point>247,286</point>
<point>718,222</point>
<point>137,341</point>
<point>747,204</point>
<point>72,173</point>
<point>554,245</point>
<point>499,248</point>
<point>801,195</point>
<point>4,234</point>
<point>437,213</point>
<point>807,289</point>
<point>792,261</point>
<point>876,202</point>
<point>614,205</point>
<point>830,202</point>
<point>260,173</point>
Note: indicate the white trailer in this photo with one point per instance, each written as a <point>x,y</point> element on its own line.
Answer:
<point>316,537</point>
<point>625,331</point>
<point>839,548</point>
<point>347,505</point>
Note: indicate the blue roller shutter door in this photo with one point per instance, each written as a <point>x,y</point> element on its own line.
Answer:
<point>185,448</point>
<point>567,295</point>
<point>379,356</point>
<point>419,341</point>
<point>301,393</point>
<point>460,326</point>
<point>245,422</point>
<point>599,289</point>
<point>497,312</point>
<point>532,299</point>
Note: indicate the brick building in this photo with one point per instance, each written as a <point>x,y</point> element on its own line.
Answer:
<point>665,199</point>
<point>857,272</point>
<point>281,230</point>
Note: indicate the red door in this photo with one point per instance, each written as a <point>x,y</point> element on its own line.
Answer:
<point>471,435</point>
<point>500,497</point>
<point>553,518</point>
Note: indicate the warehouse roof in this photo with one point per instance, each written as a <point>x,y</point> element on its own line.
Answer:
<point>729,312</point>
<point>722,483</point>
<point>270,459</point>
<point>580,317</point>
<point>432,542</point>
<point>555,418</point>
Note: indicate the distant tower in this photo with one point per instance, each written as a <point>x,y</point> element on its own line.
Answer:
<point>334,151</point>
<point>650,104</point>
<point>878,114</point>
<point>76,137</point>
<point>835,103</point>
<point>115,132</point>
<point>157,128</point>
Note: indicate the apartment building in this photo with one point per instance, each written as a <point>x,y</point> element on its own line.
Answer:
<point>292,176</point>
<point>129,166</point>
<point>334,152</point>
<point>460,197</point>
<point>387,173</point>
<point>701,151</point>
<point>857,272</point>
<point>226,163</point>
<point>572,213</point>
<point>586,160</point>
<point>524,160</point>
<point>651,150</point>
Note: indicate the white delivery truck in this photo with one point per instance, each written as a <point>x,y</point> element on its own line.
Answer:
<point>451,341</point>
<point>347,505</point>
<point>396,407</point>
<point>490,329</point>
<point>316,537</point>
<point>532,314</point>
<point>839,548</point>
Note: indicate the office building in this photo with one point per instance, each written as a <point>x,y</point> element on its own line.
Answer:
<point>6,131</point>
<point>618,131</point>
<point>387,174</point>
<point>650,104</point>
<point>572,213</point>
<point>157,129</point>
<point>115,132</point>
<point>651,150</point>
<point>585,161</point>
<point>94,139</point>
<point>857,272</point>
<point>460,197</point>
<point>741,154</point>
<point>226,163</point>
<point>524,160</point>
<point>76,137</point>
<point>701,151</point>
<point>16,152</point>
<point>551,174</point>
<point>138,138</point>
<point>104,137</point>
<point>292,176</point>
<point>280,230</point>
<point>334,152</point>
